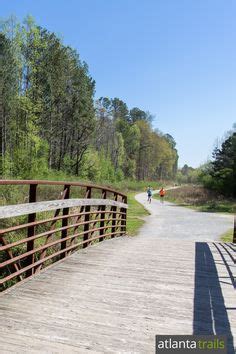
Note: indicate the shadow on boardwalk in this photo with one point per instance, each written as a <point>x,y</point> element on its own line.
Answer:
<point>210,315</point>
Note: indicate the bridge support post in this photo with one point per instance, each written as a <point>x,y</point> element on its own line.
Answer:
<point>87,218</point>
<point>124,216</point>
<point>65,211</point>
<point>31,229</point>
<point>114,222</point>
<point>102,223</point>
<point>234,235</point>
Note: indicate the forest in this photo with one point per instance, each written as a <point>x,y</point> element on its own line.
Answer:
<point>219,173</point>
<point>52,125</point>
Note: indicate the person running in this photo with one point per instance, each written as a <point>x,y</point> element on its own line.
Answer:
<point>162,194</point>
<point>149,193</point>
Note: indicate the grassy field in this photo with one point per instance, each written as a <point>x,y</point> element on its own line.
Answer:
<point>135,213</point>
<point>201,199</point>
<point>228,236</point>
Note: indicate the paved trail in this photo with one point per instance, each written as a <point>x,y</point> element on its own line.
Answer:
<point>173,222</point>
<point>114,297</point>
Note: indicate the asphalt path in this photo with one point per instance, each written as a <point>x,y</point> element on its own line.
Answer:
<point>169,221</point>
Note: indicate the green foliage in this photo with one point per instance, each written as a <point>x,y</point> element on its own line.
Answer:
<point>134,215</point>
<point>202,199</point>
<point>220,174</point>
<point>50,125</point>
<point>188,174</point>
<point>228,236</point>
<point>47,103</point>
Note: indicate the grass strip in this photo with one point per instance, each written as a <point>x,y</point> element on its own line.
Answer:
<point>136,212</point>
<point>201,199</point>
<point>228,236</point>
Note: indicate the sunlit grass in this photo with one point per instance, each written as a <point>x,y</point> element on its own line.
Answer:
<point>201,199</point>
<point>136,212</point>
<point>228,236</point>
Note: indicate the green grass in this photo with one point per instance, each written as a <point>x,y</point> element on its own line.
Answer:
<point>228,236</point>
<point>210,207</point>
<point>135,213</point>
<point>198,198</point>
<point>225,206</point>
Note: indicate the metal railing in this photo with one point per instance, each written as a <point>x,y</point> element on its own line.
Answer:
<point>35,235</point>
<point>234,234</point>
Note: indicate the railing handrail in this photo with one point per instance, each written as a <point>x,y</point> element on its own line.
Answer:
<point>29,245</point>
<point>60,183</point>
<point>10,211</point>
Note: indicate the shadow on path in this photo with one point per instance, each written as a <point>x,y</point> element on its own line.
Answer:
<point>210,315</point>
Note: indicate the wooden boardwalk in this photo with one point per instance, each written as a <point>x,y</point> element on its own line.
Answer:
<point>114,297</point>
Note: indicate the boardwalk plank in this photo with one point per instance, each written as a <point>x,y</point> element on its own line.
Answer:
<point>115,296</point>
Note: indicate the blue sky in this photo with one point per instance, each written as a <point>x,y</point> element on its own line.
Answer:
<point>174,58</point>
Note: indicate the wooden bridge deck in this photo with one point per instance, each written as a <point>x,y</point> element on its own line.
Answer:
<point>117,295</point>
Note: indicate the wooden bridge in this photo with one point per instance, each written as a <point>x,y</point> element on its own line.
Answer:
<point>112,297</point>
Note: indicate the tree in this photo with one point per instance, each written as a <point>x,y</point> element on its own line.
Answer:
<point>137,114</point>
<point>119,109</point>
<point>48,119</point>
<point>220,174</point>
<point>224,166</point>
<point>48,99</point>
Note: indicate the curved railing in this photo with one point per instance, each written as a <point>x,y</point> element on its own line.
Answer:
<point>37,232</point>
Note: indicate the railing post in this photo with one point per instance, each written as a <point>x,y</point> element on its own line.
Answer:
<point>87,217</point>
<point>65,211</point>
<point>31,229</point>
<point>234,235</point>
<point>59,246</point>
<point>124,217</point>
<point>114,222</point>
<point>102,223</point>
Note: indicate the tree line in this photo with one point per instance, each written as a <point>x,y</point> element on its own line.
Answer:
<point>218,174</point>
<point>49,120</point>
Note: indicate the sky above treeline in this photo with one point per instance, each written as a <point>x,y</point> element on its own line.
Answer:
<point>176,59</point>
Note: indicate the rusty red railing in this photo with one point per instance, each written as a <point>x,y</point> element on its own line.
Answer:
<point>35,234</point>
<point>234,234</point>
